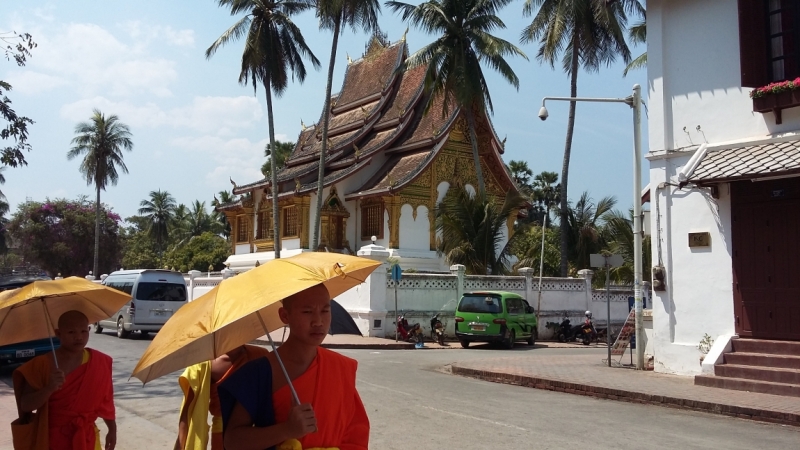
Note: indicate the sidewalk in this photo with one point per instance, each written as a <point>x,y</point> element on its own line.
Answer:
<point>8,413</point>
<point>587,375</point>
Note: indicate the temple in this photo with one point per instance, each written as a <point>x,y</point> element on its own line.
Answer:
<point>387,166</point>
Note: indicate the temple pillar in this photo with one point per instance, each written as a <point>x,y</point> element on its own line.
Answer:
<point>393,204</point>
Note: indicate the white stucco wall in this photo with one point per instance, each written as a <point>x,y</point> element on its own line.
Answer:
<point>694,77</point>
<point>699,294</point>
<point>414,233</point>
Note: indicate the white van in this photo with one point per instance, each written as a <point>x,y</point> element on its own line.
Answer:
<point>155,296</point>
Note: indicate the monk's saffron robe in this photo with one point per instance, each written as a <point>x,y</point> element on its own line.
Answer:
<point>206,400</point>
<point>68,417</point>
<point>329,385</point>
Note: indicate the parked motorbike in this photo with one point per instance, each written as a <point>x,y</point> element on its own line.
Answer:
<point>437,329</point>
<point>586,331</point>
<point>408,332</point>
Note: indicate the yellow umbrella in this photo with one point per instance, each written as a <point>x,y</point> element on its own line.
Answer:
<point>30,312</point>
<point>242,308</point>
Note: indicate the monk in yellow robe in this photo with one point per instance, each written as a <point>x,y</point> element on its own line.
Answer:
<point>199,384</point>
<point>257,406</point>
<point>68,399</point>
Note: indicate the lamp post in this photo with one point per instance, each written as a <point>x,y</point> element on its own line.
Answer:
<point>635,102</point>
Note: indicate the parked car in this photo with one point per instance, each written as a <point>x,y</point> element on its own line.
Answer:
<point>23,351</point>
<point>494,316</point>
<point>155,296</point>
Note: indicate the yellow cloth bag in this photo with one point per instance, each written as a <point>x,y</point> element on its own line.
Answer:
<point>198,379</point>
<point>294,444</point>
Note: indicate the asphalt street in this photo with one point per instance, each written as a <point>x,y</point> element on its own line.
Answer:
<point>413,403</point>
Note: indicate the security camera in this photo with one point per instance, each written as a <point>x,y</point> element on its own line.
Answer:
<point>543,113</point>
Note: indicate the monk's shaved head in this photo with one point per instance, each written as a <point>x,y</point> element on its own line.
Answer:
<point>316,291</point>
<point>72,319</point>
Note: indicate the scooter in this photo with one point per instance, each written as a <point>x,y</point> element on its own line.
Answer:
<point>408,333</point>
<point>437,330</point>
<point>585,331</point>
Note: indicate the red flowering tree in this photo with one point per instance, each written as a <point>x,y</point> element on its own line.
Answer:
<point>58,236</point>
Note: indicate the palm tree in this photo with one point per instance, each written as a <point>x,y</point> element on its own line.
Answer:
<point>159,211</point>
<point>589,33</point>
<point>454,59</point>
<point>545,192</point>
<point>333,15</point>
<point>638,35</point>
<point>274,47</point>
<point>225,197</point>
<point>521,174</point>
<point>471,228</point>
<point>585,228</point>
<point>193,222</point>
<point>282,151</point>
<point>101,141</point>
<point>618,234</point>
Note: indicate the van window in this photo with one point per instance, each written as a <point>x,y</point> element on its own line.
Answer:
<point>122,286</point>
<point>480,304</point>
<point>514,306</point>
<point>161,292</point>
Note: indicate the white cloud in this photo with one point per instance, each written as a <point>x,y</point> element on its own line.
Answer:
<point>30,82</point>
<point>93,60</point>
<point>219,115</point>
<point>237,159</point>
<point>146,34</point>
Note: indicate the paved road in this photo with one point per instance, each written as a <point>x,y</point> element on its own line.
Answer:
<point>412,403</point>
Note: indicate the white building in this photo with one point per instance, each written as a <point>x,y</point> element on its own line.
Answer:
<point>724,168</point>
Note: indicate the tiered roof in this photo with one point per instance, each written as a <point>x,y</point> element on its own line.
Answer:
<point>379,110</point>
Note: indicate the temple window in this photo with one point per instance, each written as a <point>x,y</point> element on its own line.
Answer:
<point>241,228</point>
<point>290,223</point>
<point>372,220</point>
<point>263,225</point>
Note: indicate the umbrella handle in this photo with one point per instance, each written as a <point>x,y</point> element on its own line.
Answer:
<point>280,363</point>
<point>48,324</point>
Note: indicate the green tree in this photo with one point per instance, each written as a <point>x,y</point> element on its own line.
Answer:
<point>637,35</point>
<point>194,222</point>
<point>274,48</point>
<point>521,174</point>
<point>618,235</point>
<point>140,252</point>
<point>225,197</point>
<point>545,192</point>
<point>100,141</point>
<point>585,228</point>
<point>472,228</point>
<point>527,249</point>
<point>57,235</point>
<point>335,15</point>
<point>159,211</point>
<point>283,150</point>
<point>454,59</point>
<point>200,252</point>
<point>17,46</point>
<point>589,34</point>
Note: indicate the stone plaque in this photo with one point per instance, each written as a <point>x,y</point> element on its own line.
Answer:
<point>700,239</point>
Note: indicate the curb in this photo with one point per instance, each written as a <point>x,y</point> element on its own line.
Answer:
<point>762,415</point>
<point>392,346</point>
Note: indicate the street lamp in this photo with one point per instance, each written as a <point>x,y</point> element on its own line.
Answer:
<point>635,102</point>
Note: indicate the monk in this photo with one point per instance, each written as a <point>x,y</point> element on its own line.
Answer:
<point>257,406</point>
<point>69,398</point>
<point>199,385</point>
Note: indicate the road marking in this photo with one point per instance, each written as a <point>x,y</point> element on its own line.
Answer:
<point>384,387</point>
<point>480,419</point>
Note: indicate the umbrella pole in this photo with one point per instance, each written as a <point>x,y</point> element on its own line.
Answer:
<point>280,363</point>
<point>50,335</point>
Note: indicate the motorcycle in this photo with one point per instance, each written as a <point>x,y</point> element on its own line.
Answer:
<point>407,332</point>
<point>585,331</point>
<point>437,330</point>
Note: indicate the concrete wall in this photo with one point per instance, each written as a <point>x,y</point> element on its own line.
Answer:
<point>694,77</point>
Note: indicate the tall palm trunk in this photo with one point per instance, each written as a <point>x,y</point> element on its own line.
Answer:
<point>573,90</point>
<point>473,137</point>
<point>325,120</point>
<point>274,173</point>
<point>97,235</point>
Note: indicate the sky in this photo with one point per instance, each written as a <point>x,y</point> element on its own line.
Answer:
<point>195,127</point>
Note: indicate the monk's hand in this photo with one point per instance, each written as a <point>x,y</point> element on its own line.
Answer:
<point>111,439</point>
<point>302,420</point>
<point>56,380</point>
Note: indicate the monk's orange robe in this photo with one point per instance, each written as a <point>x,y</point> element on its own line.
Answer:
<point>329,385</point>
<point>68,417</point>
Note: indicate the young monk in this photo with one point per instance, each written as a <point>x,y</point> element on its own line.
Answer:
<point>68,399</point>
<point>199,384</point>
<point>257,406</point>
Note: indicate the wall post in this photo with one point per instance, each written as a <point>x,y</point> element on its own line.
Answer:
<point>459,271</point>
<point>587,275</point>
<point>528,273</point>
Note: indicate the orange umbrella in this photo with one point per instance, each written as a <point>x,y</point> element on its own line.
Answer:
<point>243,308</point>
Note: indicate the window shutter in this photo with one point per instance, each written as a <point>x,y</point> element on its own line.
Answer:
<point>753,43</point>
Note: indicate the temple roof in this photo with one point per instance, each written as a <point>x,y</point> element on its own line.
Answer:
<point>379,111</point>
